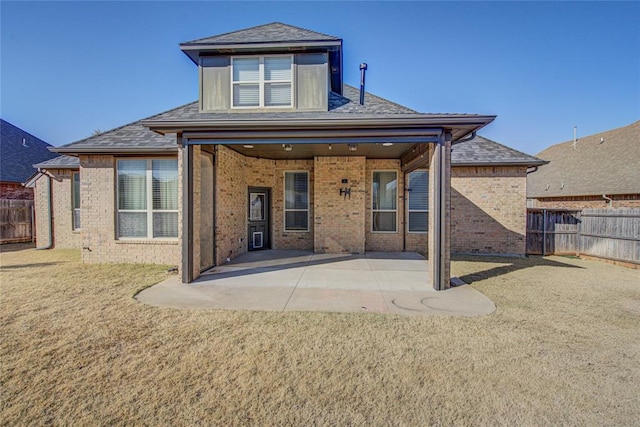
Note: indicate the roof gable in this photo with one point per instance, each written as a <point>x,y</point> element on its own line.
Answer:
<point>18,157</point>
<point>267,33</point>
<point>603,163</point>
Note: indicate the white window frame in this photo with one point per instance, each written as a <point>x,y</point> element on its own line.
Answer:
<point>150,211</point>
<point>284,204</point>
<point>409,211</point>
<point>385,210</point>
<point>74,208</point>
<point>261,81</point>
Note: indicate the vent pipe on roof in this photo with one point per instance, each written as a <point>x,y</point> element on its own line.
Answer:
<point>575,139</point>
<point>363,68</point>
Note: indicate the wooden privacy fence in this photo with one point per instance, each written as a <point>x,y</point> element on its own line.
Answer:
<point>604,233</point>
<point>16,221</point>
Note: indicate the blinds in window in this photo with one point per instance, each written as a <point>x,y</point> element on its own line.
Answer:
<point>296,190</point>
<point>165,184</point>
<point>277,68</point>
<point>419,190</point>
<point>132,184</point>
<point>246,70</point>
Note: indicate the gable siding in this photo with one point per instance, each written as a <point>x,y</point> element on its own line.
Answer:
<point>215,83</point>
<point>312,90</point>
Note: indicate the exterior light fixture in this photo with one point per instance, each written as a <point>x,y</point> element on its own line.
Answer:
<point>287,147</point>
<point>329,146</point>
<point>353,147</point>
<point>248,146</point>
<point>387,144</point>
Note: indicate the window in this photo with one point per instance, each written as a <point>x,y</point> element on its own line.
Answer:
<point>296,201</point>
<point>264,81</point>
<point>418,206</point>
<point>75,189</point>
<point>384,201</point>
<point>148,198</point>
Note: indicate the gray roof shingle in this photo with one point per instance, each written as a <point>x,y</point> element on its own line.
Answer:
<point>267,33</point>
<point>60,162</point>
<point>483,151</point>
<point>16,159</point>
<point>604,163</point>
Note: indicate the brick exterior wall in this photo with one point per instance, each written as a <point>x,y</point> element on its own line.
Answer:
<point>64,236</point>
<point>339,223</point>
<point>15,191</point>
<point>98,216</point>
<point>235,173</point>
<point>299,240</point>
<point>488,208</point>
<point>588,202</point>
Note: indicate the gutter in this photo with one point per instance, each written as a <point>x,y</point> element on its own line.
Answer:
<point>417,121</point>
<point>114,150</point>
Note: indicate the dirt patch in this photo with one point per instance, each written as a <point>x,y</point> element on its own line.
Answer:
<point>632,306</point>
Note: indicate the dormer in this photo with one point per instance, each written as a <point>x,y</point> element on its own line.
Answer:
<point>273,67</point>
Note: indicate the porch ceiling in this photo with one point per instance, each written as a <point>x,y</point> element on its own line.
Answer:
<point>309,151</point>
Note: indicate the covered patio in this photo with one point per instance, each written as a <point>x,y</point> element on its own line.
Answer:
<point>290,280</point>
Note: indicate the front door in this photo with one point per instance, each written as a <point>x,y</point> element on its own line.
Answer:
<point>258,215</point>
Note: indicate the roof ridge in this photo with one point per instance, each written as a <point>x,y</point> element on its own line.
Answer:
<point>570,141</point>
<point>28,133</point>
<point>256,27</point>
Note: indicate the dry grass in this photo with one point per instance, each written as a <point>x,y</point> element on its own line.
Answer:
<point>563,347</point>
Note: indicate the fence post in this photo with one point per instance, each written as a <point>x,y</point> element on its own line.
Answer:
<point>579,233</point>
<point>544,232</point>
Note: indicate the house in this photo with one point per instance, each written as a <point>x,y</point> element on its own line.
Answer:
<point>597,171</point>
<point>278,152</point>
<point>19,150</point>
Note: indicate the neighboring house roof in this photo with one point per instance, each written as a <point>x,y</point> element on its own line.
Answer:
<point>267,33</point>
<point>19,151</point>
<point>481,151</point>
<point>604,163</point>
<point>60,162</point>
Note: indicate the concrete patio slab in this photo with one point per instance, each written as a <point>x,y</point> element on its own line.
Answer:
<point>275,280</point>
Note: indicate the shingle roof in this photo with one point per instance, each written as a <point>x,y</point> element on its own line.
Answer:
<point>60,162</point>
<point>132,135</point>
<point>135,136</point>
<point>16,158</point>
<point>267,33</point>
<point>346,105</point>
<point>604,163</point>
<point>483,151</point>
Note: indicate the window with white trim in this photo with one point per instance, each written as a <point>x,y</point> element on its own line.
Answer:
<point>147,198</point>
<point>262,81</point>
<point>384,201</point>
<point>418,201</point>
<point>75,189</point>
<point>296,201</point>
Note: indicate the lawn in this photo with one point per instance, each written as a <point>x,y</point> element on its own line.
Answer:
<point>563,347</point>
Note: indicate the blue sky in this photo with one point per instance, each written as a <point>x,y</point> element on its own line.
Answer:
<point>68,68</point>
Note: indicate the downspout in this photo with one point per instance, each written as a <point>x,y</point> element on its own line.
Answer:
<point>405,208</point>
<point>50,212</point>
<point>532,169</point>
<point>608,199</point>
